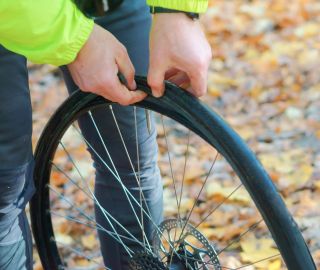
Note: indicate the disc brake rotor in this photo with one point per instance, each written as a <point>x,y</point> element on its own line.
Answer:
<point>179,241</point>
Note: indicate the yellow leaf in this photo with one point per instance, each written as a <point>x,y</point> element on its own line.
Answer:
<point>222,80</point>
<point>255,250</point>
<point>82,262</point>
<point>307,30</point>
<point>251,54</point>
<point>291,48</point>
<point>266,62</point>
<point>64,238</point>
<point>275,265</point>
<point>256,91</point>
<point>214,91</point>
<point>88,241</point>
<point>317,184</point>
<point>246,132</point>
<point>216,189</point>
<point>308,57</point>
<point>301,175</point>
<point>196,171</point>
<point>213,232</point>
<point>186,204</point>
<point>166,181</point>
<point>281,163</point>
<point>256,245</point>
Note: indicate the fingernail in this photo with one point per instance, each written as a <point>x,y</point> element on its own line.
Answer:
<point>134,86</point>
<point>141,93</point>
<point>156,94</point>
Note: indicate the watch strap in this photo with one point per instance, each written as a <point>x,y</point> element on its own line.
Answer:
<point>191,15</point>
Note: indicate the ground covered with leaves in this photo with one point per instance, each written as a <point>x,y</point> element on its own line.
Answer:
<point>264,80</point>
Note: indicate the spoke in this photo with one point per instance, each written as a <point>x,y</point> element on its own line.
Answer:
<point>110,216</point>
<point>73,205</point>
<point>136,168</point>
<point>265,259</point>
<point>216,208</point>
<point>139,172</point>
<point>116,171</point>
<point>198,196</point>
<point>93,196</point>
<point>134,172</point>
<point>127,153</point>
<point>209,262</point>
<point>196,201</point>
<point>71,180</point>
<point>240,236</point>
<point>93,220</point>
<point>170,163</point>
<point>81,254</point>
<point>132,167</point>
<point>200,191</point>
<point>243,266</point>
<point>78,221</point>
<point>184,170</point>
<point>124,187</point>
<point>174,186</point>
<point>148,120</point>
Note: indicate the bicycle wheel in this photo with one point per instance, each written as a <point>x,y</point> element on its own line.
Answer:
<point>198,203</point>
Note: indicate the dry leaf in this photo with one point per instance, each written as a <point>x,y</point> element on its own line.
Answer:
<point>254,250</point>
<point>89,241</point>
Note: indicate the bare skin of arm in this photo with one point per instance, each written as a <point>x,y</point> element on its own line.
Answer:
<point>96,67</point>
<point>179,52</point>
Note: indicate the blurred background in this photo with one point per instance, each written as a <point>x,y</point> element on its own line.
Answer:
<point>265,81</point>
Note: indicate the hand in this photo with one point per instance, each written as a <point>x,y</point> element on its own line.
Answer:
<point>179,51</point>
<point>96,67</point>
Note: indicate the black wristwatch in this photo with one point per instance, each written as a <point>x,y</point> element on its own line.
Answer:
<point>191,15</point>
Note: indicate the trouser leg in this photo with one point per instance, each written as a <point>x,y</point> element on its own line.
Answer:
<point>16,165</point>
<point>130,24</point>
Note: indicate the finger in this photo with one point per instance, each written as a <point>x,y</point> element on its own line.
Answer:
<point>127,69</point>
<point>171,72</point>
<point>185,85</point>
<point>198,84</point>
<point>122,95</point>
<point>180,78</point>
<point>156,75</point>
<point>133,97</point>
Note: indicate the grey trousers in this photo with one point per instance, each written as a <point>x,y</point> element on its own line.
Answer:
<point>130,23</point>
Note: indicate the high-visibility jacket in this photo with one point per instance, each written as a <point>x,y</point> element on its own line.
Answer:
<point>53,31</point>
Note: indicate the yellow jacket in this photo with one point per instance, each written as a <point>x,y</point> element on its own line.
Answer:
<point>53,31</point>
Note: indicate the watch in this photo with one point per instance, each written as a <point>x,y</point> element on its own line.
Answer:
<point>191,15</point>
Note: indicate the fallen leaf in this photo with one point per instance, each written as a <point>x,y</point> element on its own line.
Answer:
<point>254,250</point>
<point>89,241</point>
<point>218,190</point>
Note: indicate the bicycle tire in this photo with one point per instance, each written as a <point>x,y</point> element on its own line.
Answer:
<point>192,113</point>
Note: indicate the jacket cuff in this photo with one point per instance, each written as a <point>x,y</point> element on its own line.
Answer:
<point>196,6</point>
<point>81,36</point>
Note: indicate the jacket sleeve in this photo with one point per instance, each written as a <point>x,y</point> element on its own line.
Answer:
<point>198,6</point>
<point>44,31</point>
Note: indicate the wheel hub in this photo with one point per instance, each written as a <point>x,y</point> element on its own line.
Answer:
<point>181,246</point>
